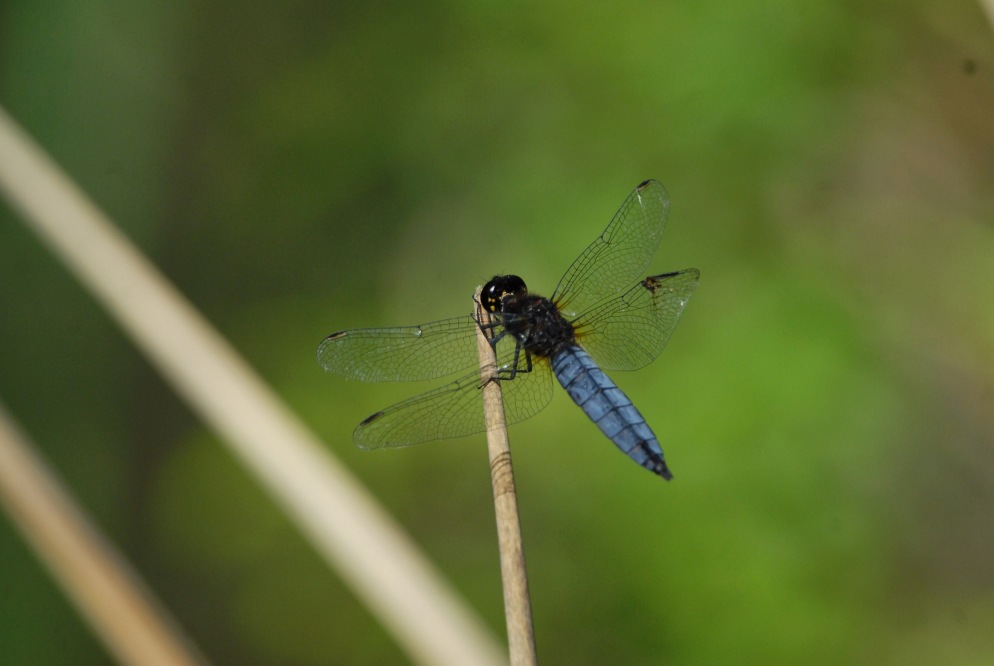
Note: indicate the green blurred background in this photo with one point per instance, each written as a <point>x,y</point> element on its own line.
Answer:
<point>826,404</point>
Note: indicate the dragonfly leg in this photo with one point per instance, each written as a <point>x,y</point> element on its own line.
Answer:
<point>493,336</point>
<point>512,372</point>
<point>489,327</point>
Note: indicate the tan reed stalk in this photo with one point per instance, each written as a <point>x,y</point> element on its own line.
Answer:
<point>517,605</point>
<point>342,521</point>
<point>107,592</point>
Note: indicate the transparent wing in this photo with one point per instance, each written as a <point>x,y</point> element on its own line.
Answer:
<point>456,409</point>
<point>404,353</point>
<point>627,332</point>
<point>620,255</point>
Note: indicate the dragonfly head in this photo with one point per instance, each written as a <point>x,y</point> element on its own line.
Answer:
<point>493,293</point>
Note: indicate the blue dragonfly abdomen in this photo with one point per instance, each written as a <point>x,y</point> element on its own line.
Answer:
<point>608,407</point>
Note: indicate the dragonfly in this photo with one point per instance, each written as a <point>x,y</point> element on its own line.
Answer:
<point>603,315</point>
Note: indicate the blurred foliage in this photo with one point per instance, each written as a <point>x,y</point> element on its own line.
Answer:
<point>297,168</point>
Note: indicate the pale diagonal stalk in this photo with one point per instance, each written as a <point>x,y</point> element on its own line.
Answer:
<point>514,576</point>
<point>111,597</point>
<point>988,7</point>
<point>341,519</point>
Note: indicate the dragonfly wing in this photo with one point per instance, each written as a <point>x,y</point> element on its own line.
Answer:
<point>452,410</point>
<point>627,332</point>
<point>455,409</point>
<point>403,353</point>
<point>620,255</point>
<point>528,393</point>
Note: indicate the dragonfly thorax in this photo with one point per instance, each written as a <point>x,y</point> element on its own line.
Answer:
<point>536,323</point>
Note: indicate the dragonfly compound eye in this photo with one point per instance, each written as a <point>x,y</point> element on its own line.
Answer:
<point>500,286</point>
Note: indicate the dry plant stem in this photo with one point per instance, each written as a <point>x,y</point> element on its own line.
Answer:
<point>107,593</point>
<point>517,605</point>
<point>343,522</point>
<point>988,7</point>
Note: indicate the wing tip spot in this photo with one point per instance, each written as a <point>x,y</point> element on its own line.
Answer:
<point>370,419</point>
